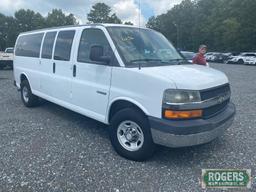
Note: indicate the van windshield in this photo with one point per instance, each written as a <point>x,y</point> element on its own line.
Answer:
<point>144,46</point>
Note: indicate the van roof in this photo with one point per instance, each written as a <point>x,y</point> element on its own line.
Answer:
<point>75,26</point>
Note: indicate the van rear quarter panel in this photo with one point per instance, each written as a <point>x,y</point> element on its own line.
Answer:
<point>28,66</point>
<point>143,90</point>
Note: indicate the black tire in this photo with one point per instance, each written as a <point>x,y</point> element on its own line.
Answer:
<point>31,100</point>
<point>240,61</point>
<point>147,147</point>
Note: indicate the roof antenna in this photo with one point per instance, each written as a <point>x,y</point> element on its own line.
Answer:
<point>139,11</point>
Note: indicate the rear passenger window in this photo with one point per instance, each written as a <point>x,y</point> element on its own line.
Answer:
<point>48,45</point>
<point>89,38</point>
<point>29,45</point>
<point>63,45</point>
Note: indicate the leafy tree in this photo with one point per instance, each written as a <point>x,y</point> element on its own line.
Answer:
<point>101,13</point>
<point>226,35</point>
<point>11,32</point>
<point>71,20</point>
<point>58,18</point>
<point>224,25</point>
<point>28,20</point>
<point>114,19</point>
<point>128,23</point>
<point>3,32</point>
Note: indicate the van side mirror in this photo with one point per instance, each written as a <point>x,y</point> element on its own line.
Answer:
<point>96,54</point>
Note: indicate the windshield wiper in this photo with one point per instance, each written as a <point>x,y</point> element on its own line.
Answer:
<point>180,61</point>
<point>147,60</point>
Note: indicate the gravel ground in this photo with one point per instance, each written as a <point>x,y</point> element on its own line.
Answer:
<point>49,148</point>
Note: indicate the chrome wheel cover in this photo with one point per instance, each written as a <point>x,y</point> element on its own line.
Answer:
<point>25,94</point>
<point>130,135</point>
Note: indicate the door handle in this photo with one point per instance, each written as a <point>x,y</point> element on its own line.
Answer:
<point>53,67</point>
<point>74,70</point>
<point>101,92</point>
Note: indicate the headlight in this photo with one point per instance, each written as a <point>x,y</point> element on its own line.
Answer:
<point>180,97</point>
<point>174,96</point>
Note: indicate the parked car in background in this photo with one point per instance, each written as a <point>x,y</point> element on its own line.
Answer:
<point>217,57</point>
<point>208,56</point>
<point>250,60</point>
<point>244,58</point>
<point>188,55</point>
<point>6,58</point>
<point>226,56</point>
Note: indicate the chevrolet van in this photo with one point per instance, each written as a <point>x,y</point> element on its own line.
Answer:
<point>131,79</point>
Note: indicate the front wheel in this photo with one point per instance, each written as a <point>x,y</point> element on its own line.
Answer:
<point>130,135</point>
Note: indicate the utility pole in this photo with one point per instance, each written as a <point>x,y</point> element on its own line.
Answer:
<point>177,35</point>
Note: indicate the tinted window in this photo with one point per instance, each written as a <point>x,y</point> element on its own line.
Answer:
<point>63,45</point>
<point>29,45</point>
<point>89,38</point>
<point>188,55</point>
<point>250,55</point>
<point>48,45</point>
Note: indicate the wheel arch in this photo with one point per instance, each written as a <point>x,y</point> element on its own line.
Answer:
<point>23,77</point>
<point>122,103</point>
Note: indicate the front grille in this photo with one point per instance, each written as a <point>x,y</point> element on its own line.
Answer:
<point>214,110</point>
<point>214,92</point>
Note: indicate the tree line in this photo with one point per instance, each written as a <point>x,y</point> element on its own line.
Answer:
<point>223,25</point>
<point>27,20</point>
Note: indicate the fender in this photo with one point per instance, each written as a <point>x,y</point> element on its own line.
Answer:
<point>23,73</point>
<point>138,104</point>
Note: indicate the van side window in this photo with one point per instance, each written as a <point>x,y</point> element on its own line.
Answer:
<point>29,45</point>
<point>89,38</point>
<point>48,45</point>
<point>63,45</point>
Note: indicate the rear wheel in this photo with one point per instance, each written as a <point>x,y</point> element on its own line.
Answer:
<point>240,61</point>
<point>28,99</point>
<point>130,135</point>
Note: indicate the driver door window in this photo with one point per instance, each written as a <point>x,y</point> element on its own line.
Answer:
<point>89,38</point>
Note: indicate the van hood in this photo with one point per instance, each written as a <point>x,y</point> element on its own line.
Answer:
<point>192,77</point>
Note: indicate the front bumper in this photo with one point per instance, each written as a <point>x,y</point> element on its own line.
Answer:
<point>250,62</point>
<point>191,132</point>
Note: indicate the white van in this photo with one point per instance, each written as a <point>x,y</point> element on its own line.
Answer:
<point>130,78</point>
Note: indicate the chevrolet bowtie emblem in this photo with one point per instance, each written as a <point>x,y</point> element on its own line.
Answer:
<point>221,99</point>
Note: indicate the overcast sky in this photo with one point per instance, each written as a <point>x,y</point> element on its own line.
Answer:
<point>127,10</point>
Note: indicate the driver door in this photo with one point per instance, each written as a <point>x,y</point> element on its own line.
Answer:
<point>91,80</point>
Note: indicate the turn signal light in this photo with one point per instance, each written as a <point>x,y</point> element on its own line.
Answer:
<point>182,114</point>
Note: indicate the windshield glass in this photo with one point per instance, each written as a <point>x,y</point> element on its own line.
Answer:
<point>143,46</point>
<point>188,55</point>
<point>10,50</point>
